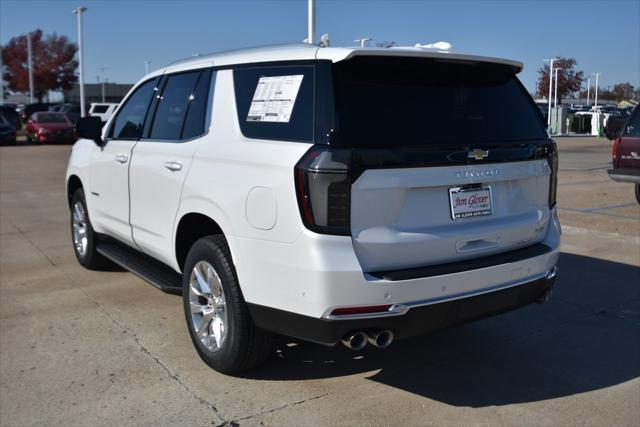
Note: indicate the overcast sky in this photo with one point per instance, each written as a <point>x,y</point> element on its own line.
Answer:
<point>603,36</point>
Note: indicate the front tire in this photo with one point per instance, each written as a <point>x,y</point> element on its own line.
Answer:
<point>638,193</point>
<point>83,237</point>
<point>218,319</point>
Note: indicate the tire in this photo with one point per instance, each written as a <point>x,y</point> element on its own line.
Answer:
<point>84,248</point>
<point>638,193</point>
<point>239,344</point>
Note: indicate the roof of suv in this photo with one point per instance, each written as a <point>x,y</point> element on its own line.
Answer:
<point>306,51</point>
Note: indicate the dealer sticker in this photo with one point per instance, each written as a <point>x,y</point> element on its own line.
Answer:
<point>274,99</point>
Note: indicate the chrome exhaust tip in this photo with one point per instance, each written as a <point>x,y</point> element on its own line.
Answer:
<point>380,339</point>
<point>355,340</point>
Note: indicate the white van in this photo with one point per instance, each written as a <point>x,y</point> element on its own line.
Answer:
<point>104,110</point>
<point>329,194</point>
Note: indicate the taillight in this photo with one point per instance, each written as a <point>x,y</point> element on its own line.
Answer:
<point>323,188</point>
<point>552,158</point>
<point>616,148</point>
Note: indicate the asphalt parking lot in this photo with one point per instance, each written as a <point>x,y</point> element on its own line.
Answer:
<point>105,348</point>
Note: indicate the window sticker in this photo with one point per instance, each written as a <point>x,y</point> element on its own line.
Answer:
<point>274,99</point>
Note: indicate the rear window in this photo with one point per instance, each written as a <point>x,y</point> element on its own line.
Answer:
<point>633,125</point>
<point>99,109</point>
<point>51,118</point>
<point>276,102</point>
<point>416,101</point>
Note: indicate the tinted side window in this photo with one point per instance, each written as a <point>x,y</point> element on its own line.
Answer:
<point>296,123</point>
<point>172,107</point>
<point>195,121</point>
<point>633,125</point>
<point>100,109</point>
<point>128,124</point>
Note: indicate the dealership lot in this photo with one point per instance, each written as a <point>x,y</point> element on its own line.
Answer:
<point>80,347</point>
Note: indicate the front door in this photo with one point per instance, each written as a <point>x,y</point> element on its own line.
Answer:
<point>161,161</point>
<point>109,172</point>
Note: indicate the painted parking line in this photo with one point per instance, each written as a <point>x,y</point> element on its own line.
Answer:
<point>604,208</point>
<point>602,181</point>
<point>591,212</point>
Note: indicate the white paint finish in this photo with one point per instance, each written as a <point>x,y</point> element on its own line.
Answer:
<point>262,208</point>
<point>317,273</point>
<point>401,218</point>
<point>227,166</point>
<point>306,51</point>
<point>109,179</point>
<point>337,54</point>
<point>156,192</point>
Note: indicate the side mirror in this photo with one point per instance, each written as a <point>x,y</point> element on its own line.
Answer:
<point>90,128</point>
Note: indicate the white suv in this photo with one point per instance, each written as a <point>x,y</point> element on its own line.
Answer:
<point>328,194</point>
<point>104,110</point>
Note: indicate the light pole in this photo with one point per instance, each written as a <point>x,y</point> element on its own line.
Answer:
<point>550,85</point>
<point>595,104</point>
<point>363,41</point>
<point>555,95</point>
<point>311,21</point>
<point>146,67</point>
<point>588,89</point>
<point>78,12</point>
<point>30,64</point>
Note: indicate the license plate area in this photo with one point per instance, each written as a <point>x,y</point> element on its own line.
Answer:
<point>470,201</point>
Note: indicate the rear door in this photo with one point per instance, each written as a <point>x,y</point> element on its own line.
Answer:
<point>161,160</point>
<point>452,159</point>
<point>109,172</point>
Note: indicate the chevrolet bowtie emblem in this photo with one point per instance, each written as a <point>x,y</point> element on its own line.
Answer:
<point>478,154</point>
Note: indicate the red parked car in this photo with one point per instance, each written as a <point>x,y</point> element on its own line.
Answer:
<point>626,153</point>
<point>50,127</point>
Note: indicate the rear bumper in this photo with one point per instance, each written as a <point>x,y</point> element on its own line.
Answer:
<point>625,175</point>
<point>316,274</point>
<point>417,318</point>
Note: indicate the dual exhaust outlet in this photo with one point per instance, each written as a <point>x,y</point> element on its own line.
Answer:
<point>358,340</point>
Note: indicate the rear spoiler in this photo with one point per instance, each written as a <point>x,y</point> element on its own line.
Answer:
<point>342,54</point>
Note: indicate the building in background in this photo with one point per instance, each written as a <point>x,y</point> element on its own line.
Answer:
<point>113,92</point>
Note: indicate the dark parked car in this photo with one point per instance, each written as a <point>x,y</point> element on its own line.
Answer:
<point>49,127</point>
<point>10,113</point>
<point>72,111</point>
<point>29,109</point>
<point>614,126</point>
<point>7,131</point>
<point>626,153</point>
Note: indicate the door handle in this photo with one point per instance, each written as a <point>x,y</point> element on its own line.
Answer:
<point>173,166</point>
<point>121,158</point>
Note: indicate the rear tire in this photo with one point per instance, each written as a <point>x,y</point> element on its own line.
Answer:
<point>83,237</point>
<point>638,193</point>
<point>219,323</point>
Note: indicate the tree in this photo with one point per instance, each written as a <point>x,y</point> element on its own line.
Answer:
<point>622,91</point>
<point>53,61</point>
<point>569,80</point>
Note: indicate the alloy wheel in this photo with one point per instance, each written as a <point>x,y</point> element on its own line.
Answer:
<point>208,306</point>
